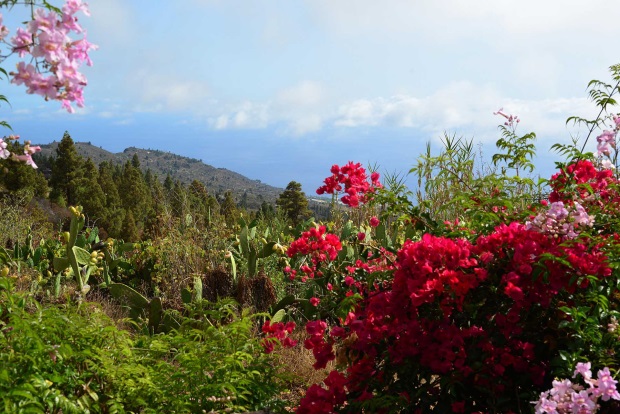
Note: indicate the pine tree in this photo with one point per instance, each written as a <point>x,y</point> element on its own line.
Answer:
<point>168,184</point>
<point>66,169</point>
<point>293,203</point>
<point>113,212</point>
<point>135,195</point>
<point>135,161</point>
<point>228,208</point>
<point>266,211</point>
<point>199,201</point>
<point>130,232</point>
<point>88,192</point>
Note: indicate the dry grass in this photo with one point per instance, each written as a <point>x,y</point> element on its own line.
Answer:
<point>297,362</point>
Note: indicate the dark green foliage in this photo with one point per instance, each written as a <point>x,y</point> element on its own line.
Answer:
<point>66,169</point>
<point>228,208</point>
<point>73,359</point>
<point>135,195</point>
<point>293,203</point>
<point>129,230</point>
<point>19,177</point>
<point>89,194</point>
<point>113,214</point>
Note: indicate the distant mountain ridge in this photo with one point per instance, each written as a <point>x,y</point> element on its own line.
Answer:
<point>250,192</point>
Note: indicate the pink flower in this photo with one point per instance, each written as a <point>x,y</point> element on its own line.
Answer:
<point>374,221</point>
<point>4,153</point>
<point>511,120</point>
<point>4,31</point>
<point>27,158</point>
<point>315,301</point>
<point>584,369</point>
<point>361,236</point>
<point>22,42</point>
<point>73,6</point>
<point>581,401</point>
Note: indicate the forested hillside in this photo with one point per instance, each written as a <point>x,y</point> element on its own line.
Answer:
<point>249,193</point>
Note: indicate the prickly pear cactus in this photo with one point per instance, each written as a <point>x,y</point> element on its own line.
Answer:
<point>139,306</point>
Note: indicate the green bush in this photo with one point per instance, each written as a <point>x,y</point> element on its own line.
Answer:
<point>73,359</point>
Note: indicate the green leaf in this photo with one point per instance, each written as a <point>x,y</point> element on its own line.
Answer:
<point>243,240</point>
<point>80,240</point>
<point>130,296</point>
<point>252,263</point>
<point>125,247</point>
<point>197,288</point>
<point>93,236</point>
<point>81,255</point>
<point>278,316</point>
<point>347,230</point>
<point>267,250</point>
<point>233,267</point>
<point>155,314</point>
<point>60,263</point>
<point>186,296</point>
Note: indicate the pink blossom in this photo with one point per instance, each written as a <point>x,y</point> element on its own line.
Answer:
<point>4,31</point>
<point>606,140</point>
<point>54,74</point>
<point>73,6</point>
<point>27,158</point>
<point>581,401</point>
<point>607,165</point>
<point>50,46</point>
<point>583,368</point>
<point>374,221</point>
<point>511,120</point>
<point>560,388</point>
<point>22,42</point>
<point>4,153</point>
<point>43,21</point>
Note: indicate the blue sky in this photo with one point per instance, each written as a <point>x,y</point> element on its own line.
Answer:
<point>281,90</point>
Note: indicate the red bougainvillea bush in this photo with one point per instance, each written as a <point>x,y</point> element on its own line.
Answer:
<point>474,314</point>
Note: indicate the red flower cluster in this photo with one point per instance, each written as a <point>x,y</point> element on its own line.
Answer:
<point>322,350</point>
<point>356,186</point>
<point>585,176</point>
<point>319,245</point>
<point>324,400</point>
<point>433,268</point>
<point>278,332</point>
<point>456,309</point>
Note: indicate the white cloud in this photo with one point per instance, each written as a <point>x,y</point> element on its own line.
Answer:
<point>221,122</point>
<point>451,19</point>
<point>461,107</point>
<point>301,107</point>
<point>165,93</point>
<point>466,108</point>
<point>305,94</point>
<point>296,110</point>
